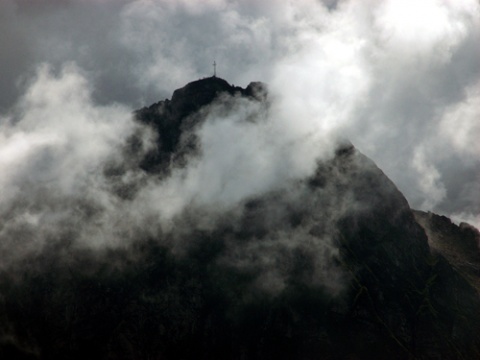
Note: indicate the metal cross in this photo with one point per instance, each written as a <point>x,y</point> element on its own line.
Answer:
<point>214,68</point>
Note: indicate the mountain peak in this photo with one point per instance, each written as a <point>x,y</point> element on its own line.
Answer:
<point>196,94</point>
<point>335,265</point>
<point>168,117</point>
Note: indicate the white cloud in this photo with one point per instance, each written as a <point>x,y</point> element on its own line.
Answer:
<point>399,78</point>
<point>422,29</point>
<point>71,135</point>
<point>460,124</point>
<point>469,218</point>
<point>52,154</point>
<point>429,179</point>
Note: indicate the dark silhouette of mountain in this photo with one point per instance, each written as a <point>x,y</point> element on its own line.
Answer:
<point>334,266</point>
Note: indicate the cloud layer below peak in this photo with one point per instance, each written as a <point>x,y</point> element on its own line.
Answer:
<point>400,79</point>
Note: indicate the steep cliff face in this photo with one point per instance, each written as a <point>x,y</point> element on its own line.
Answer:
<point>332,266</point>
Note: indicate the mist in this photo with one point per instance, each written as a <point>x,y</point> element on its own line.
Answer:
<point>398,79</point>
<point>403,90</point>
<point>263,205</point>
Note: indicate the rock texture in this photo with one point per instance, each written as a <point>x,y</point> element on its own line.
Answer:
<point>458,244</point>
<point>335,266</point>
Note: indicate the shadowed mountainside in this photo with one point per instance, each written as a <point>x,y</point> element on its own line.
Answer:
<point>334,266</point>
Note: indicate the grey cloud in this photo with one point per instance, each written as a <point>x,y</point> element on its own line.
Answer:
<point>375,72</point>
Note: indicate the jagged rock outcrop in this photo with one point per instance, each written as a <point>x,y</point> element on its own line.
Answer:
<point>458,244</point>
<point>335,266</point>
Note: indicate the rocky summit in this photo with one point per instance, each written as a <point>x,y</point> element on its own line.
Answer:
<point>332,266</point>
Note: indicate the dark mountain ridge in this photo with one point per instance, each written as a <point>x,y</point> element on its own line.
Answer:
<point>334,266</point>
<point>457,243</point>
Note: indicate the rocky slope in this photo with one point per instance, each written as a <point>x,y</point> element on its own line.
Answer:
<point>458,244</point>
<point>334,266</point>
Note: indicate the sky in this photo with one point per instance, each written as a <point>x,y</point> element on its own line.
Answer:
<point>399,78</point>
